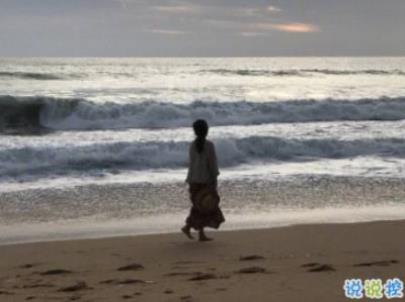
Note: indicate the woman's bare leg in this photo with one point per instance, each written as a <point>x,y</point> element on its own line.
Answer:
<point>202,236</point>
<point>187,231</point>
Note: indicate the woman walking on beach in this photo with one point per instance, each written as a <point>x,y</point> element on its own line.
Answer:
<point>202,179</point>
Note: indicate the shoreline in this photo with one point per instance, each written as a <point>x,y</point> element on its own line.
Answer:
<point>293,263</point>
<point>210,230</point>
<point>99,228</point>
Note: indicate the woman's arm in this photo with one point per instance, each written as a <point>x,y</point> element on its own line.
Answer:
<point>213,164</point>
<point>188,179</point>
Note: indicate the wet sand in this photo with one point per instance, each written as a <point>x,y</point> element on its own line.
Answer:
<point>297,263</point>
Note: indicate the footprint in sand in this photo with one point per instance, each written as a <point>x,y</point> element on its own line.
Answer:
<point>251,258</point>
<point>187,262</point>
<point>27,266</point>
<point>310,264</point>
<point>126,297</point>
<point>252,270</point>
<point>175,274</point>
<point>80,285</point>
<point>38,285</point>
<point>131,267</point>
<point>125,281</point>
<point>202,277</point>
<point>378,263</point>
<point>221,289</point>
<point>321,268</point>
<point>55,272</point>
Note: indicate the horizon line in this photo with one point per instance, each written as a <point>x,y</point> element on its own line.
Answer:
<point>199,57</point>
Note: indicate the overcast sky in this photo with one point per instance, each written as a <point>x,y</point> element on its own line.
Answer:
<point>202,28</point>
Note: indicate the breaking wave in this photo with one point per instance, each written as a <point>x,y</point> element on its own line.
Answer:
<point>304,72</point>
<point>30,75</point>
<point>170,155</point>
<point>24,114</point>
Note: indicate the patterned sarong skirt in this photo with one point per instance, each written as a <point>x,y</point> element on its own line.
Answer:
<point>197,218</point>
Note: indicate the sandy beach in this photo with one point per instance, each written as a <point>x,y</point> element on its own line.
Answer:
<point>296,263</point>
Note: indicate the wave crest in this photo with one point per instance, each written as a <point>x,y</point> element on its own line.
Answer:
<point>27,113</point>
<point>171,155</point>
<point>30,75</point>
<point>304,72</point>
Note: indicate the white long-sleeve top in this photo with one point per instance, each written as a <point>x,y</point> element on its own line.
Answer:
<point>202,167</point>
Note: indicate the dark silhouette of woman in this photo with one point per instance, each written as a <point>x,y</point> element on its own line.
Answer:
<point>202,179</point>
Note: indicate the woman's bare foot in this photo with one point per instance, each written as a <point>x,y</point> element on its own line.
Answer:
<point>203,237</point>
<point>186,231</point>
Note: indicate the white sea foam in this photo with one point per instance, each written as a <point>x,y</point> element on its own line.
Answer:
<point>87,115</point>
<point>97,158</point>
<point>77,114</point>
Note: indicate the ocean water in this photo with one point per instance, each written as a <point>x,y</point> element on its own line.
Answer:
<point>98,147</point>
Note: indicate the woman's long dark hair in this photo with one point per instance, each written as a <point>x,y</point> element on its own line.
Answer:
<point>201,130</point>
